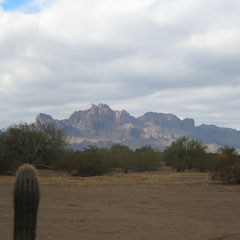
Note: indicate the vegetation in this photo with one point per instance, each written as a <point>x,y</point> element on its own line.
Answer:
<point>24,144</point>
<point>26,200</point>
<point>91,162</point>
<point>224,165</point>
<point>186,153</point>
<point>147,159</point>
<point>227,169</point>
<point>122,157</point>
<point>94,161</point>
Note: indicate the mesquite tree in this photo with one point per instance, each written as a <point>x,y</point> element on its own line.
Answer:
<point>24,143</point>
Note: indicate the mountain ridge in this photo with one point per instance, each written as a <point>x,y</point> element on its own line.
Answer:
<point>102,126</point>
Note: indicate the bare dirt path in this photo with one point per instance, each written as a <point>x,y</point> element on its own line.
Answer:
<point>148,206</point>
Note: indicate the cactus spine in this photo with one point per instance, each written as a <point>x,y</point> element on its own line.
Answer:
<point>26,199</point>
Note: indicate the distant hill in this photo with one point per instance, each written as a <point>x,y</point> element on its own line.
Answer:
<point>102,126</point>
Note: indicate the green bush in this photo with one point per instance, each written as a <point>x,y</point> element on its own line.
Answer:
<point>122,157</point>
<point>186,153</point>
<point>146,159</point>
<point>9,161</point>
<point>227,169</point>
<point>90,162</point>
<point>23,143</point>
<point>175,155</point>
<point>8,165</point>
<point>143,159</point>
<point>94,161</point>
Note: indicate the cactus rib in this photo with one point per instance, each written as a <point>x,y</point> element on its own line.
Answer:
<point>26,200</point>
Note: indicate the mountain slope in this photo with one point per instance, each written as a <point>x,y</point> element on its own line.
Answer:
<point>102,126</point>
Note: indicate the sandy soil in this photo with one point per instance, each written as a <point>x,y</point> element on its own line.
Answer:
<point>139,206</point>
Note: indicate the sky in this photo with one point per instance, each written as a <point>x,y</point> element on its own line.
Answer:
<point>11,5</point>
<point>168,56</point>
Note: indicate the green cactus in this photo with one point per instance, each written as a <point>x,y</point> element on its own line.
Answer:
<point>26,200</point>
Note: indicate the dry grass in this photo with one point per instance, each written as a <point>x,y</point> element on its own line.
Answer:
<point>164,176</point>
<point>162,205</point>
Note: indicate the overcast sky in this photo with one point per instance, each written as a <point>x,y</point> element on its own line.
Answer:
<point>170,56</point>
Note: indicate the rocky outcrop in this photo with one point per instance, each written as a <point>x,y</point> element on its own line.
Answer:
<point>102,126</point>
<point>212,134</point>
<point>166,121</point>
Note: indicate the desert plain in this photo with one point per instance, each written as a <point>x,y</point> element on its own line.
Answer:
<point>162,205</point>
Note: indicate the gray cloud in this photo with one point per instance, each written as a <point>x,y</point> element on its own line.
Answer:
<point>165,56</point>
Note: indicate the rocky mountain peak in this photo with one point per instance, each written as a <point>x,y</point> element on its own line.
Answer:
<point>102,124</point>
<point>75,117</point>
<point>123,117</point>
<point>188,123</point>
<point>93,107</point>
<point>104,107</point>
<point>161,119</point>
<point>45,119</point>
<point>100,109</point>
<point>42,117</point>
<point>167,120</point>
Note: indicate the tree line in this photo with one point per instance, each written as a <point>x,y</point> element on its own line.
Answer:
<point>97,161</point>
<point>185,153</point>
<point>23,143</point>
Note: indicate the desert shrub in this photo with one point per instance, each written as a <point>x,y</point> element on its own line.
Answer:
<point>142,159</point>
<point>202,163</point>
<point>175,155</point>
<point>122,157</point>
<point>186,153</point>
<point>94,161</point>
<point>146,159</point>
<point>196,155</point>
<point>8,166</point>
<point>91,162</point>
<point>212,160</point>
<point>227,169</point>
<point>64,160</point>
<point>9,161</point>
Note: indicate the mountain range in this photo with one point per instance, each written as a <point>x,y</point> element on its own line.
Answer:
<point>101,126</point>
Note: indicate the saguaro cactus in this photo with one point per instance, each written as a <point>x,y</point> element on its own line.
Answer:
<point>26,199</point>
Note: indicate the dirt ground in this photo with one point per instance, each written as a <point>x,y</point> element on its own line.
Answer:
<point>160,205</point>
